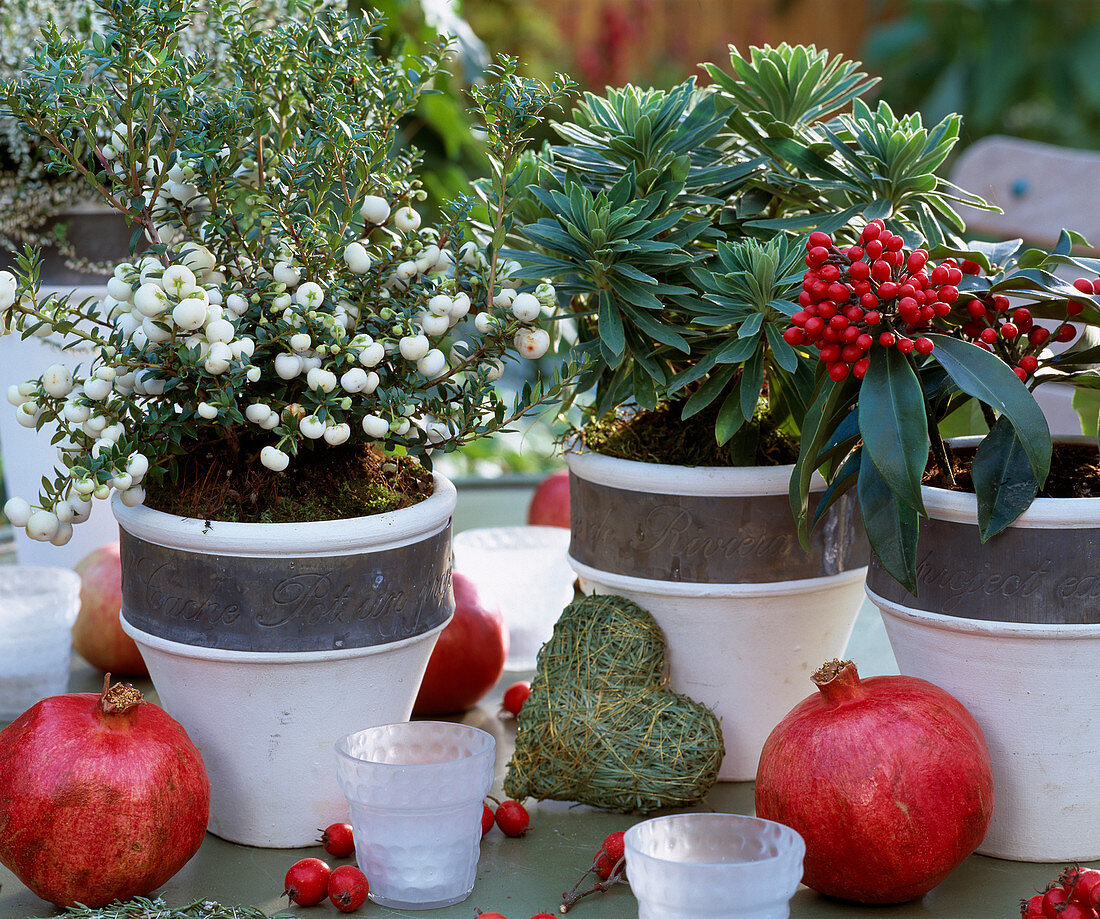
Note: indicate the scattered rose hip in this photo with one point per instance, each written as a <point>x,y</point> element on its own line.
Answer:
<point>348,888</point>
<point>337,840</point>
<point>514,697</point>
<point>610,854</point>
<point>306,881</point>
<point>488,818</point>
<point>512,818</point>
<point>1075,895</point>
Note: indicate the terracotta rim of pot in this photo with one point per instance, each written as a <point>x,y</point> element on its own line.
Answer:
<point>200,652</point>
<point>717,590</point>
<point>726,481</point>
<point>1069,631</point>
<point>322,537</point>
<point>1062,513</point>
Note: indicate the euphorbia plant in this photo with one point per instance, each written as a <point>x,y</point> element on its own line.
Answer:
<point>905,339</point>
<point>675,221</point>
<point>289,299</point>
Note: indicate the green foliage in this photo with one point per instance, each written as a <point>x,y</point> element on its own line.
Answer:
<point>286,255</point>
<point>674,221</point>
<point>1007,66</point>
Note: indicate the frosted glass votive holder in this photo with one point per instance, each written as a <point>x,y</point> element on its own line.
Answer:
<point>38,606</point>
<point>525,571</point>
<point>415,792</point>
<point>713,866</point>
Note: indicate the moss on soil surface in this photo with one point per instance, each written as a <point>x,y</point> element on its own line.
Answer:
<point>1074,472</point>
<point>220,481</point>
<point>662,436</point>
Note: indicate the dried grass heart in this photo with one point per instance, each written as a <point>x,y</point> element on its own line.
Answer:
<point>601,726</point>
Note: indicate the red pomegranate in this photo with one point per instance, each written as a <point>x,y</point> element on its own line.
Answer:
<point>887,779</point>
<point>549,505</point>
<point>102,797</point>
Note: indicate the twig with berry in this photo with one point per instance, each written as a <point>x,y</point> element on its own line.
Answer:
<point>608,865</point>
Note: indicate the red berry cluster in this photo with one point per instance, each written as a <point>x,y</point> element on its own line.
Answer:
<point>1076,895</point>
<point>310,880</point>
<point>1013,335</point>
<point>874,291</point>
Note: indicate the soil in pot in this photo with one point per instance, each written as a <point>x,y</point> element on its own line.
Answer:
<point>1074,471</point>
<point>661,435</point>
<point>224,480</point>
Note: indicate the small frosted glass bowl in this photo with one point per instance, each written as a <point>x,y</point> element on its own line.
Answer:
<point>415,791</point>
<point>525,571</point>
<point>38,606</point>
<point>713,866</point>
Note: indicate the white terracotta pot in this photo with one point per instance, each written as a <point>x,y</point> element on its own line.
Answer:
<point>713,555</point>
<point>366,597</point>
<point>1033,686</point>
<point>266,724</point>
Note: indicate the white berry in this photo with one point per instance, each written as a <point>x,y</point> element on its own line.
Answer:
<point>375,209</point>
<point>526,308</point>
<point>414,347</point>
<point>18,511</point>
<point>274,458</point>
<point>406,219</point>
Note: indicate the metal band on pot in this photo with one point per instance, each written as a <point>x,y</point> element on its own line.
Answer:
<point>707,539</point>
<point>1023,574</point>
<point>316,603</point>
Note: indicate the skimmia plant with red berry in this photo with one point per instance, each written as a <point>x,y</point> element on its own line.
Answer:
<point>675,222</point>
<point>903,338</point>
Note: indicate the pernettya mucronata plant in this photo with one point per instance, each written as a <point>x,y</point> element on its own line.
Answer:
<point>289,297</point>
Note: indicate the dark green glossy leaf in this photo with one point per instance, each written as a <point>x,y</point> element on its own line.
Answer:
<point>894,424</point>
<point>891,525</point>
<point>1003,480</point>
<point>988,379</point>
<point>844,479</point>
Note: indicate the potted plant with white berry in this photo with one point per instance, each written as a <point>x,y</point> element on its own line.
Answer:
<point>996,600</point>
<point>267,383</point>
<point>675,222</point>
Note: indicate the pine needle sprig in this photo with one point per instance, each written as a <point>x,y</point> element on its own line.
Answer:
<point>144,908</point>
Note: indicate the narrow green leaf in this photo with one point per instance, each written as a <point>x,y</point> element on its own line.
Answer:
<point>752,381</point>
<point>1003,480</point>
<point>611,325</point>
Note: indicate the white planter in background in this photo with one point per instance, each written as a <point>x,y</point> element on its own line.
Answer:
<point>28,454</point>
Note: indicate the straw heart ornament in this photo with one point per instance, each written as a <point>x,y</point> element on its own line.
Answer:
<point>601,726</point>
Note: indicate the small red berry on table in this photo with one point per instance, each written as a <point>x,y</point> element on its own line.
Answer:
<point>514,697</point>
<point>348,888</point>
<point>337,840</point>
<point>488,818</point>
<point>512,818</point>
<point>306,881</point>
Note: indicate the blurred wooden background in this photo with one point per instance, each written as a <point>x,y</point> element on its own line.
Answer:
<point>616,40</point>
